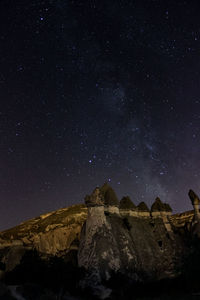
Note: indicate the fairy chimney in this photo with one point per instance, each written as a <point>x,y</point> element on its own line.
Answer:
<point>195,202</point>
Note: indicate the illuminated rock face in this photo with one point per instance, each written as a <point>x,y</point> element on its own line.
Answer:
<point>195,202</point>
<point>55,233</point>
<point>127,240</point>
<point>109,236</point>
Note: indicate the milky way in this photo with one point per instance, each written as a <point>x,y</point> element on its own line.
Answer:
<point>95,91</point>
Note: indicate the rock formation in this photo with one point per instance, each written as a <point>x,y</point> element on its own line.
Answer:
<point>195,225</point>
<point>113,239</point>
<point>143,210</point>
<point>127,207</point>
<point>195,202</point>
<point>53,233</point>
<point>108,237</point>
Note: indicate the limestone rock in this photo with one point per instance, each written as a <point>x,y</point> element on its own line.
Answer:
<point>13,257</point>
<point>194,198</point>
<point>109,237</point>
<point>139,247</point>
<point>50,234</point>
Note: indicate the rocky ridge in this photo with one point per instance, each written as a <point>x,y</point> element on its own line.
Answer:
<point>59,231</point>
<point>48,233</point>
<point>108,237</point>
<point>119,237</point>
<point>52,234</point>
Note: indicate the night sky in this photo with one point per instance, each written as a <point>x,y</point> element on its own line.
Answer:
<point>95,91</point>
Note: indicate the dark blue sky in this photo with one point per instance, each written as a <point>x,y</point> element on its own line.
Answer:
<point>95,91</point>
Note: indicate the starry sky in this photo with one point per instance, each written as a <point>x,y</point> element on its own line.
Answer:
<point>94,91</point>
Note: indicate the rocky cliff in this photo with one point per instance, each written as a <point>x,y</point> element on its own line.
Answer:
<point>119,237</point>
<point>108,237</point>
<point>54,233</point>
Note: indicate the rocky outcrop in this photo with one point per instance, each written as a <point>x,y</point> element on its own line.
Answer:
<point>188,223</point>
<point>143,210</point>
<point>109,237</point>
<point>55,233</point>
<point>195,224</point>
<point>140,247</point>
<point>127,204</point>
<point>127,207</point>
<point>195,202</point>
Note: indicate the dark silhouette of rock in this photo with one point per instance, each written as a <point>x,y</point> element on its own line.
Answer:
<point>95,199</point>
<point>167,207</point>
<point>142,207</point>
<point>126,203</point>
<point>158,205</point>
<point>110,198</point>
<point>195,225</point>
<point>194,198</point>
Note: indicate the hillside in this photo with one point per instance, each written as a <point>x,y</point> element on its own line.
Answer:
<point>89,247</point>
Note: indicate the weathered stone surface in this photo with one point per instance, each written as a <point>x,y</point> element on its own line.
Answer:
<point>13,257</point>
<point>194,198</point>
<point>95,199</point>
<point>52,234</point>
<point>161,210</point>
<point>114,237</point>
<point>140,247</point>
<point>180,220</point>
